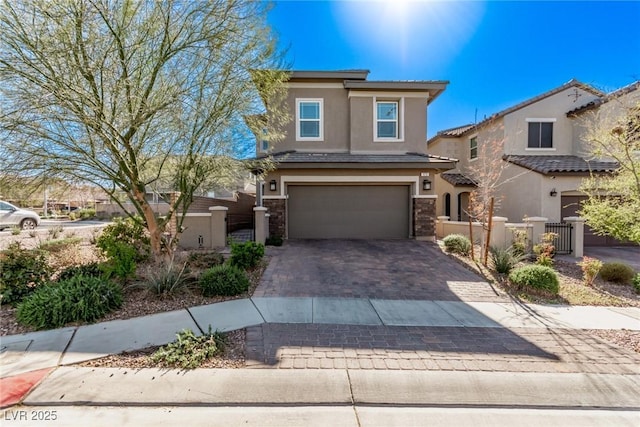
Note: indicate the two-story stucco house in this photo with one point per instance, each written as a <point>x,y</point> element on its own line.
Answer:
<point>353,163</point>
<point>542,143</point>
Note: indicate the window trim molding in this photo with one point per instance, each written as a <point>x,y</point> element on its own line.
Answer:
<point>471,159</point>
<point>540,120</point>
<point>400,120</point>
<point>320,136</point>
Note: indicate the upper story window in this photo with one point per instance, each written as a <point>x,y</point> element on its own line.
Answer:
<point>309,119</point>
<point>473,148</point>
<point>386,120</point>
<point>264,144</point>
<point>540,133</point>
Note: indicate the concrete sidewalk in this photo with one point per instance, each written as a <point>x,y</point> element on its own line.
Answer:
<point>45,349</point>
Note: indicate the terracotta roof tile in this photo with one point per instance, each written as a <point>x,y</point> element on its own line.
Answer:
<point>593,104</point>
<point>570,165</point>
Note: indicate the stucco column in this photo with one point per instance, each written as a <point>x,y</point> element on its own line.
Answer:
<point>577,236</point>
<point>440,226</point>
<point>537,224</point>
<point>260,228</point>
<point>499,232</point>
<point>218,226</point>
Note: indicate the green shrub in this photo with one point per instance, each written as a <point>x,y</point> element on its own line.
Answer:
<point>15,230</point>
<point>457,244</point>
<point>89,270</point>
<point>504,259</point>
<point>86,213</point>
<point>125,232</point>
<point>21,273</point>
<point>122,262</point>
<point>520,244</point>
<point>167,280</point>
<point>79,299</point>
<point>535,277</point>
<point>274,241</point>
<point>617,272</point>
<point>545,250</point>
<point>188,351</point>
<point>202,260</point>
<point>636,283</point>
<point>246,255</point>
<point>223,279</point>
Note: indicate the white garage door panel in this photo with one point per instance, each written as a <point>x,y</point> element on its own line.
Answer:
<point>349,211</point>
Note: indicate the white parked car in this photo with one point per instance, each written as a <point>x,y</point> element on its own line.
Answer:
<point>12,216</point>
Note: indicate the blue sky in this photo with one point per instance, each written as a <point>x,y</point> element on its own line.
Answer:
<point>494,53</point>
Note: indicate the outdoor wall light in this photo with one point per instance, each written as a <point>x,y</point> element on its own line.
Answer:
<point>273,185</point>
<point>553,192</point>
<point>426,184</point>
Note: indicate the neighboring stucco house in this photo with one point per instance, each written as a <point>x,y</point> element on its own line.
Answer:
<point>353,163</point>
<point>543,144</point>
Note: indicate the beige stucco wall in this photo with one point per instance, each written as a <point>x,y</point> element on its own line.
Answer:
<point>351,177</point>
<point>335,120</point>
<point>555,106</point>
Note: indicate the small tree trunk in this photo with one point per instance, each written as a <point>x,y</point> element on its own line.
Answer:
<point>473,257</point>
<point>490,222</point>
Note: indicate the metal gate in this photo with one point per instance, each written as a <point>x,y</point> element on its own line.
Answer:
<point>565,233</point>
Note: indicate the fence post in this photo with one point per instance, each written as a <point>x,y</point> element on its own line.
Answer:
<point>260,224</point>
<point>218,226</point>
<point>499,232</point>
<point>577,236</point>
<point>440,226</point>
<point>537,224</point>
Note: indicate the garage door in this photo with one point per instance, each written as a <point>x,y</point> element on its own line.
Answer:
<point>348,212</point>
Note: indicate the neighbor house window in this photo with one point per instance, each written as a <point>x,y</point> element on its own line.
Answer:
<point>540,134</point>
<point>309,119</point>
<point>473,148</point>
<point>387,120</point>
<point>264,144</point>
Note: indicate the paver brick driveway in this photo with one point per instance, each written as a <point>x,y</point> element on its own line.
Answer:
<point>380,269</point>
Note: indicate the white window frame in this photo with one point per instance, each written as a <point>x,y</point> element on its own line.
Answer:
<point>471,138</point>
<point>264,144</point>
<point>320,136</point>
<point>399,121</point>
<point>541,120</point>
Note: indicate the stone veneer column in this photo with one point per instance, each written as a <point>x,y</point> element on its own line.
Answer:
<point>424,218</point>
<point>277,215</point>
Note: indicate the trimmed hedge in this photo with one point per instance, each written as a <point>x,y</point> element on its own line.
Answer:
<point>246,255</point>
<point>535,277</point>
<point>225,280</point>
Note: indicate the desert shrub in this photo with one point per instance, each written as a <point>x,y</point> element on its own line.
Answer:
<point>79,299</point>
<point>202,260</point>
<point>188,351</point>
<point>54,232</point>
<point>89,270</point>
<point>616,272</point>
<point>15,230</point>
<point>72,216</point>
<point>545,250</point>
<point>590,269</point>
<point>535,277</point>
<point>57,245</point>
<point>274,241</point>
<point>223,279</point>
<point>246,255</point>
<point>125,232</point>
<point>520,244</point>
<point>504,259</point>
<point>21,273</point>
<point>457,244</point>
<point>86,213</point>
<point>122,261</point>
<point>636,283</point>
<point>167,280</point>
